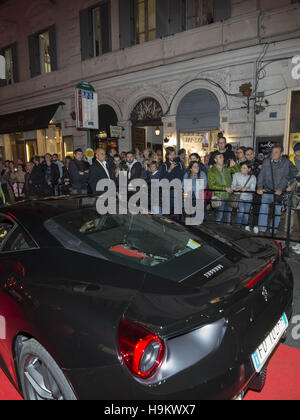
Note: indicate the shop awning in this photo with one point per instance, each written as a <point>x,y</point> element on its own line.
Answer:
<point>32,119</point>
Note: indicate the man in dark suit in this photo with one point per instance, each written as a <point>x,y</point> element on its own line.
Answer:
<point>99,170</point>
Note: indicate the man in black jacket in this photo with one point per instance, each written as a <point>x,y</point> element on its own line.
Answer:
<point>99,170</point>
<point>135,169</point>
<point>226,152</point>
<point>79,173</point>
<point>36,179</point>
<point>51,175</point>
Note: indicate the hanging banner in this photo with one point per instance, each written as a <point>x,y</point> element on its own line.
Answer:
<point>86,102</point>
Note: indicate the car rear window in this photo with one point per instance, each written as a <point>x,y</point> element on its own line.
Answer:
<point>147,242</point>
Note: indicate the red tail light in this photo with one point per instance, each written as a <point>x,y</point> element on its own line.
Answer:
<point>279,244</point>
<point>140,349</point>
<point>259,276</point>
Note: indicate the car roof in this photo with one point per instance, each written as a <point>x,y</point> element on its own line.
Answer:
<point>32,214</point>
<point>47,208</point>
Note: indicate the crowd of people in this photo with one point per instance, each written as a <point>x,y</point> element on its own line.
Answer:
<point>233,179</point>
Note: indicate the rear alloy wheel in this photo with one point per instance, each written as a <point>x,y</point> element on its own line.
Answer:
<point>41,378</point>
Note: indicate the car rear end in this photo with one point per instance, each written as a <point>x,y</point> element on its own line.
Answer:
<point>230,348</point>
<point>264,324</point>
<point>213,306</point>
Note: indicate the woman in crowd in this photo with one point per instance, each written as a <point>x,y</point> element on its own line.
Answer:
<point>27,190</point>
<point>194,157</point>
<point>20,182</point>
<point>146,169</point>
<point>147,155</point>
<point>243,181</point>
<point>195,174</point>
<point>65,180</point>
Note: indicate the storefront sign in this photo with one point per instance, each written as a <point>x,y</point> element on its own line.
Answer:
<point>194,139</point>
<point>86,107</point>
<point>265,145</point>
<point>2,68</point>
<point>296,68</point>
<point>115,132</point>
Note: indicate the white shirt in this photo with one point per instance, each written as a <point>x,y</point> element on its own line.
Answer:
<point>104,166</point>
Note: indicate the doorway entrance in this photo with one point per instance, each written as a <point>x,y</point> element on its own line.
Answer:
<point>147,126</point>
<point>198,122</point>
<point>102,138</point>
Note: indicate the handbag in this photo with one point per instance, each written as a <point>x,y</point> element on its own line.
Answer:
<point>216,202</point>
<point>235,198</point>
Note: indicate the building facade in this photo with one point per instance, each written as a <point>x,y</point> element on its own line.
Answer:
<point>169,72</point>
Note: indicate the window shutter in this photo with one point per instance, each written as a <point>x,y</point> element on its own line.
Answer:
<point>53,47</point>
<point>86,34</point>
<point>162,18</point>
<point>14,49</point>
<point>222,10</point>
<point>34,55</point>
<point>105,28</point>
<point>126,20</point>
<point>191,18</point>
<point>2,81</point>
<point>177,16</point>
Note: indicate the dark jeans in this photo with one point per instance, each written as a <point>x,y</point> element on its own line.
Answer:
<point>256,208</point>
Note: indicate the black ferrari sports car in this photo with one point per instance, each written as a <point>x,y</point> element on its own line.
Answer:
<point>135,307</point>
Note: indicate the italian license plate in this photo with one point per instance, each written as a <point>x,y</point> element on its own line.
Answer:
<point>261,355</point>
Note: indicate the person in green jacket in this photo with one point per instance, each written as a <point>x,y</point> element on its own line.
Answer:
<point>220,181</point>
<point>2,196</point>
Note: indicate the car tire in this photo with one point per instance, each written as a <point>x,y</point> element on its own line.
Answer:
<point>40,376</point>
<point>258,383</point>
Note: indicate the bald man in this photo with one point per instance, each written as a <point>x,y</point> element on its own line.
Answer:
<point>99,170</point>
